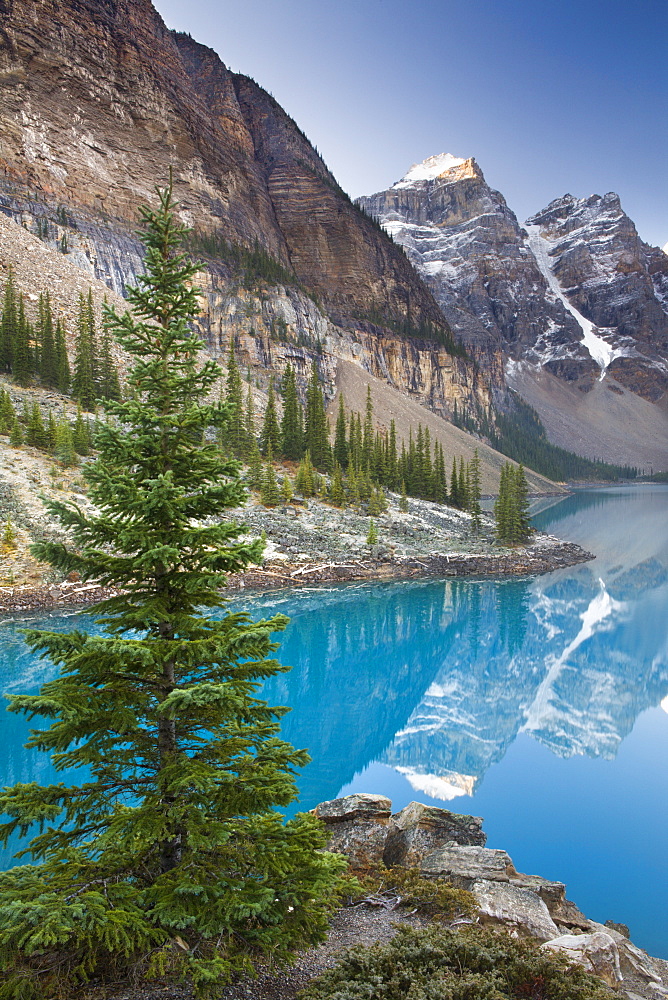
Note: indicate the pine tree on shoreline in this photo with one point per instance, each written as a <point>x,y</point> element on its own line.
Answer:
<point>174,835</point>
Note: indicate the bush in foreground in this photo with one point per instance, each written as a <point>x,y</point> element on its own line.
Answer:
<point>437,963</point>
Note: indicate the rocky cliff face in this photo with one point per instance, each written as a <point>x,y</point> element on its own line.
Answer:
<point>97,100</point>
<point>616,281</point>
<point>468,246</point>
<point>573,301</point>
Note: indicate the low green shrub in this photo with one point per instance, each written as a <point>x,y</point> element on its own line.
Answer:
<point>439,963</point>
<point>430,897</point>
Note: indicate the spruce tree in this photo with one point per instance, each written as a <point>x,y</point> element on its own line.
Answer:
<point>8,324</point>
<point>22,356</point>
<point>36,434</point>
<point>48,358</point>
<point>337,493</point>
<point>249,421</point>
<point>84,388</point>
<point>235,432</point>
<point>474,491</point>
<point>64,449</point>
<point>316,431</point>
<point>64,376</point>
<point>270,494</point>
<point>108,385</point>
<point>173,836</point>
<point>16,434</point>
<point>7,412</point>
<point>270,439</point>
<point>292,430</point>
<point>340,444</point>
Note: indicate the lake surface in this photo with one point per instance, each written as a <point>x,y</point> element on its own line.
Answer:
<point>535,703</point>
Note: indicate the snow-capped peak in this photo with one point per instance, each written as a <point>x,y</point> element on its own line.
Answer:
<point>665,248</point>
<point>429,169</point>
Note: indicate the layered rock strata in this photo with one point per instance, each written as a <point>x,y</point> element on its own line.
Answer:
<point>98,101</point>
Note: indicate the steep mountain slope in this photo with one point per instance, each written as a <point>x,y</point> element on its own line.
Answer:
<point>97,100</point>
<point>573,300</point>
<point>469,247</point>
<point>616,281</point>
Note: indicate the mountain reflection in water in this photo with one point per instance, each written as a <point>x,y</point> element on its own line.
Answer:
<point>470,693</point>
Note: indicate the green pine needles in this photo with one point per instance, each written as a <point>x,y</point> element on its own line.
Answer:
<point>169,858</point>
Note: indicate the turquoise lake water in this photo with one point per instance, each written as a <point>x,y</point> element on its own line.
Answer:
<point>535,703</point>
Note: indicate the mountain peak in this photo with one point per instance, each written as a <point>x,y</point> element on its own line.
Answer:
<point>437,166</point>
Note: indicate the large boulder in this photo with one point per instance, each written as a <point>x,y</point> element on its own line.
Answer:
<point>597,953</point>
<point>633,961</point>
<point>357,826</point>
<point>562,910</point>
<point>467,864</point>
<point>418,829</point>
<point>520,910</point>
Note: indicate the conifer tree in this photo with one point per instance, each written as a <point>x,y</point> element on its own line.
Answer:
<point>367,439</point>
<point>475,491</point>
<point>174,832</point>
<point>22,357</point>
<point>63,373</point>
<point>372,534</point>
<point>316,436</point>
<point>48,359</point>
<point>337,493</point>
<point>108,385</point>
<point>8,324</point>
<point>7,412</point>
<point>84,388</point>
<point>36,434</point>
<point>80,435</point>
<point>292,430</point>
<point>235,435</point>
<point>287,491</point>
<point>255,469</point>
<point>16,434</point>
<point>270,439</point>
<point>64,447</point>
<point>305,481</point>
<point>340,443</point>
<point>270,494</point>
<point>249,420</point>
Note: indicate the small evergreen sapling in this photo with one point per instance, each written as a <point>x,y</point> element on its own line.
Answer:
<point>173,838</point>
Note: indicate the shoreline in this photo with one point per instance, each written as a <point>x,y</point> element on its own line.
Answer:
<point>543,554</point>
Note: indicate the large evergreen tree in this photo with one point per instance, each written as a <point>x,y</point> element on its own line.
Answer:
<point>316,431</point>
<point>168,857</point>
<point>270,439</point>
<point>84,388</point>
<point>48,359</point>
<point>8,324</point>
<point>292,429</point>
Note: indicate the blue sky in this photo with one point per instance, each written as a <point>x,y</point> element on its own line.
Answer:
<point>550,96</point>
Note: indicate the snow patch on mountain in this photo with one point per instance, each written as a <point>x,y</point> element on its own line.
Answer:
<point>599,349</point>
<point>429,169</point>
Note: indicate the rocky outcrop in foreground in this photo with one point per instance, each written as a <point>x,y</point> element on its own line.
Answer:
<point>445,845</point>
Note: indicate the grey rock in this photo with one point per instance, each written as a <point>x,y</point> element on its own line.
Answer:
<point>553,894</point>
<point>522,910</point>
<point>357,827</point>
<point>597,953</point>
<point>633,960</point>
<point>362,805</point>
<point>464,865</point>
<point>418,830</point>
